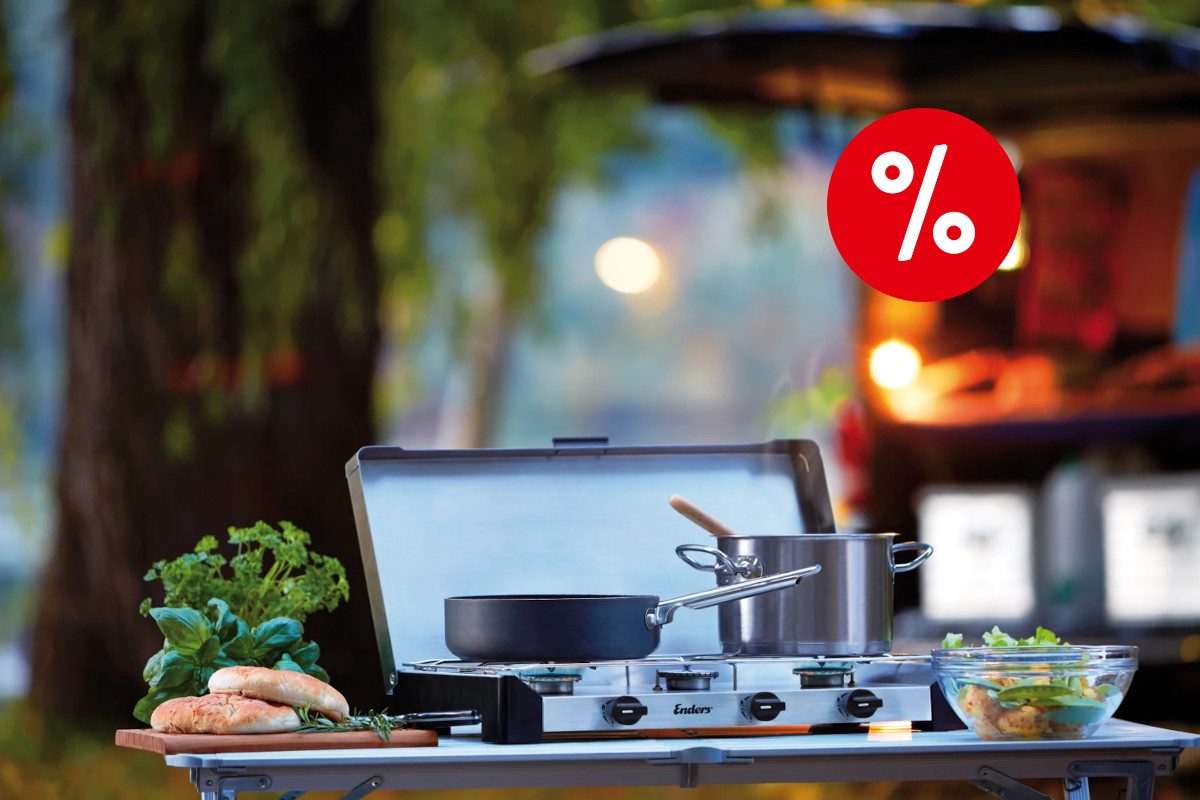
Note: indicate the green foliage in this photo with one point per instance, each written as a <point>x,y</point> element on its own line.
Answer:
<point>272,575</point>
<point>1042,637</point>
<point>251,616</point>
<point>196,644</point>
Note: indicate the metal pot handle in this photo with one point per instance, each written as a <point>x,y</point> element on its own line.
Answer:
<point>908,566</point>
<point>745,566</point>
<point>663,613</point>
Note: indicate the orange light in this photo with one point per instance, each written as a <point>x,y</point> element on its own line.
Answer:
<point>1189,648</point>
<point>895,364</point>
<point>1018,254</point>
<point>900,731</point>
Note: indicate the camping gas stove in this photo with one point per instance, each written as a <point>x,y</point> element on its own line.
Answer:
<point>520,703</point>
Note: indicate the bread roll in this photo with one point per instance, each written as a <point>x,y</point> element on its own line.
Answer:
<point>223,713</point>
<point>281,686</point>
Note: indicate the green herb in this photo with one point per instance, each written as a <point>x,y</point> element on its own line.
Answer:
<point>381,723</point>
<point>198,644</point>
<point>272,575</point>
<point>253,616</point>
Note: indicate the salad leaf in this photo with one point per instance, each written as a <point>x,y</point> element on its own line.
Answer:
<point>1042,637</point>
<point>998,638</point>
<point>952,641</point>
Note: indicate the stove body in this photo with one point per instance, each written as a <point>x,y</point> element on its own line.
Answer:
<point>584,517</point>
<point>522,703</point>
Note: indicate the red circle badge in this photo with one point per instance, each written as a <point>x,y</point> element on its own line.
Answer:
<point>923,204</point>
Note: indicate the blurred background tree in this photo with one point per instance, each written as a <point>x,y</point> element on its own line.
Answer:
<point>250,183</point>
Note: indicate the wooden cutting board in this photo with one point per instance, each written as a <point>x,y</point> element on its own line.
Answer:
<point>172,743</point>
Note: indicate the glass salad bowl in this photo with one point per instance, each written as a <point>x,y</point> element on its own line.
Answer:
<point>1047,692</point>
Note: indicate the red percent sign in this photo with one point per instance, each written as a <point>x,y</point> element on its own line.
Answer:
<point>878,211</point>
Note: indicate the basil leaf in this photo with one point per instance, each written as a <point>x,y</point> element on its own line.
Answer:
<point>224,620</point>
<point>202,675</point>
<point>223,661</point>
<point>176,671</point>
<point>279,633</point>
<point>208,651</point>
<point>287,664</point>
<point>306,654</point>
<point>145,707</point>
<point>318,673</point>
<point>185,628</point>
<point>153,668</point>
<point>241,647</point>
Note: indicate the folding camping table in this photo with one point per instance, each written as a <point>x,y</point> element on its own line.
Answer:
<point>1120,749</point>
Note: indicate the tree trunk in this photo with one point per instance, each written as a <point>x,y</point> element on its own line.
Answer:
<point>151,457</point>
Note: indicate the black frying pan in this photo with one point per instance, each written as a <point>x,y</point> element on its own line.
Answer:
<point>550,627</point>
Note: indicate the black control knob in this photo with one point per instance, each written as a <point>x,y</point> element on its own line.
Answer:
<point>624,710</point>
<point>860,703</point>
<point>763,706</point>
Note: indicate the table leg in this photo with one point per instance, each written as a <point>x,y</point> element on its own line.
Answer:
<point>1076,789</point>
<point>996,782</point>
<point>1140,775</point>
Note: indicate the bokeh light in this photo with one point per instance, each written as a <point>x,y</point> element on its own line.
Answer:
<point>1018,254</point>
<point>628,265</point>
<point>895,364</point>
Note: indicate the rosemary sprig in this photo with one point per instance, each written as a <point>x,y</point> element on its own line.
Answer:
<point>315,722</point>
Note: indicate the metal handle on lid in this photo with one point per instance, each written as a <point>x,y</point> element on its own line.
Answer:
<point>665,611</point>
<point>579,441</point>
<point>925,552</point>
<point>745,566</point>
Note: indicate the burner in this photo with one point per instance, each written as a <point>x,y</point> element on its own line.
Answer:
<point>824,675</point>
<point>685,680</point>
<point>552,682</point>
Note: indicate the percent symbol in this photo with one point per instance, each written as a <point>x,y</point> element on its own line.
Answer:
<point>943,224</point>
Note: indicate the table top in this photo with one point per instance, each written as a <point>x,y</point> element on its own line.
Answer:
<point>1115,736</point>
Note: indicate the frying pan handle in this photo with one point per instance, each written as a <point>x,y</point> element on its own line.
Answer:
<point>664,612</point>
<point>926,552</point>
<point>745,566</point>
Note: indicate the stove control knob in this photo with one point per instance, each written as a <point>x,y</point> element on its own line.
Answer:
<point>762,706</point>
<point>860,703</point>
<point>624,710</point>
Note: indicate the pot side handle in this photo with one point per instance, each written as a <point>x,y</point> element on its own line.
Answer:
<point>723,565</point>
<point>909,566</point>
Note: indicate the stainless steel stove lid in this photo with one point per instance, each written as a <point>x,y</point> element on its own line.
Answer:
<point>581,517</point>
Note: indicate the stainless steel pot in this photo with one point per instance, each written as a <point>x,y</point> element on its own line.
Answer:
<point>846,610</point>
